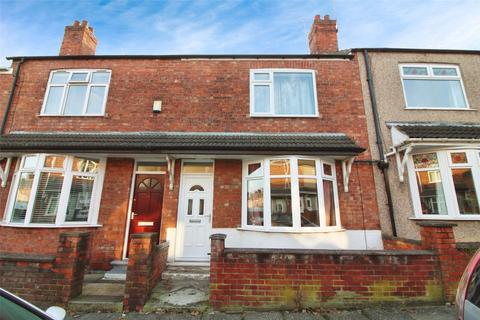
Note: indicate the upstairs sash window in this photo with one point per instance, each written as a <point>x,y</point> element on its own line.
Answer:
<point>76,93</point>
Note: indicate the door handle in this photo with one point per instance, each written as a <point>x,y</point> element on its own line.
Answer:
<point>133,215</point>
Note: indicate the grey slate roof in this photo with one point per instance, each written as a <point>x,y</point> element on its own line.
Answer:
<point>438,130</point>
<point>235,142</point>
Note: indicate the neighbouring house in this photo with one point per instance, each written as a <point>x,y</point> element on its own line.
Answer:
<point>426,104</point>
<point>185,146</point>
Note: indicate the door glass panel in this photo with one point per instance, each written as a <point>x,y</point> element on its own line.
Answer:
<point>47,197</point>
<point>190,207</point>
<point>465,191</point>
<point>328,200</point>
<point>201,207</point>
<point>79,199</point>
<point>197,188</point>
<point>430,189</point>
<point>309,202</point>
<point>198,167</point>
<point>23,194</point>
<point>255,202</point>
<point>281,202</point>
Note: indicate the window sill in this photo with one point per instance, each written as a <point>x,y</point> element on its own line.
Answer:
<point>49,226</point>
<point>440,109</point>
<point>72,115</point>
<point>283,116</point>
<point>311,230</point>
<point>447,218</point>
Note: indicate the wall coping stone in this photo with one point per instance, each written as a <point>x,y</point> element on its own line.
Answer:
<point>163,244</point>
<point>143,235</point>
<point>24,257</point>
<point>334,252</point>
<point>436,224</point>
<point>468,245</point>
<point>411,241</point>
<point>79,234</point>
<point>218,236</point>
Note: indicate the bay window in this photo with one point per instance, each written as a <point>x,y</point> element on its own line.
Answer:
<point>283,92</point>
<point>76,93</point>
<point>56,190</point>
<point>446,184</point>
<point>433,86</point>
<point>290,194</point>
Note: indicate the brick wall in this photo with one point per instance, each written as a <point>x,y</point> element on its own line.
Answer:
<point>290,279</point>
<point>47,279</point>
<point>107,240</point>
<point>146,262</point>
<point>5,86</point>
<point>227,195</point>
<point>170,202</point>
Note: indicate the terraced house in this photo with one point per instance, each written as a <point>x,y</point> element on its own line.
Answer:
<point>257,166</point>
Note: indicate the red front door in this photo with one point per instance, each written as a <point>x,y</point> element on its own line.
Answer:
<point>147,203</point>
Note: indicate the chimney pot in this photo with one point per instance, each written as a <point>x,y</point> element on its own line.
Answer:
<point>78,40</point>
<point>323,35</point>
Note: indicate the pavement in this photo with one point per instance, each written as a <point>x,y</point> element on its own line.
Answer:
<point>400,313</point>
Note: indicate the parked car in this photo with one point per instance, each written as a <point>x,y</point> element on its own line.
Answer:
<point>468,292</point>
<point>15,308</point>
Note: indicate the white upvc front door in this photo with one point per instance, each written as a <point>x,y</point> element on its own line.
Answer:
<point>194,224</point>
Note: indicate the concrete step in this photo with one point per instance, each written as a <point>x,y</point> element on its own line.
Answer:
<point>96,303</point>
<point>186,272</point>
<point>101,288</point>
<point>118,271</point>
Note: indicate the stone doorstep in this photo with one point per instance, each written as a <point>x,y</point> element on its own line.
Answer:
<point>118,271</point>
<point>96,303</point>
<point>175,272</point>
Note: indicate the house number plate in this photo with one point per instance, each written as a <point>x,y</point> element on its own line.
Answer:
<point>145,223</point>
<point>195,220</point>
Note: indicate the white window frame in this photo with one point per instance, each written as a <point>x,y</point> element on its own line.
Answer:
<point>431,76</point>
<point>295,195</point>
<point>66,88</point>
<point>270,84</point>
<point>64,194</point>
<point>445,166</point>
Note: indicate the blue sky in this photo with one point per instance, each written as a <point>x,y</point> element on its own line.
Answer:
<point>35,27</point>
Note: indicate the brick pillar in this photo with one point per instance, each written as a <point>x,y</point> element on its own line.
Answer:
<point>440,238</point>
<point>71,260</point>
<point>216,269</point>
<point>139,270</point>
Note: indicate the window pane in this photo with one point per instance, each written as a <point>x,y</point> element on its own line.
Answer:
<point>47,197</point>
<point>307,167</point>
<point>281,204</point>
<point>261,99</point>
<point>261,76</point>
<point>100,78</point>
<point>255,169</point>
<point>415,71</point>
<point>85,165</point>
<point>54,100</point>
<point>75,100</point>
<point>59,78</point>
<point>190,205</point>
<point>465,191</point>
<point>54,162</point>
<point>327,169</point>
<point>459,157</point>
<point>430,189</point>
<point>80,198</point>
<point>30,161</point>
<point>444,71</point>
<point>255,202</point>
<point>309,202</point>
<point>79,76</point>
<point>328,200</point>
<point>151,166</point>
<point>434,93</point>
<point>425,160</point>
<point>96,99</point>
<point>197,167</point>
<point>279,167</point>
<point>293,93</point>
<point>201,207</point>
<point>21,199</point>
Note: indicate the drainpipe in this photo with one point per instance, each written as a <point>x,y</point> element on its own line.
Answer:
<point>10,97</point>
<point>383,163</point>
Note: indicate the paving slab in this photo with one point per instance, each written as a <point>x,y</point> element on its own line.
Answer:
<point>178,316</point>
<point>345,315</point>
<point>387,314</point>
<point>302,316</point>
<point>432,313</point>
<point>262,316</point>
<point>221,316</point>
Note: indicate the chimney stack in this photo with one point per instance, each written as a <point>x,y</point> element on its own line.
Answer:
<point>78,40</point>
<point>323,35</point>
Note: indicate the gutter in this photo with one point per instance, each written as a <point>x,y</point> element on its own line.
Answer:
<point>383,163</point>
<point>10,97</point>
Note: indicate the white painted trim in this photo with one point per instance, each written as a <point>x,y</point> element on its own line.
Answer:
<point>270,84</point>
<point>346,170</point>
<point>336,240</point>
<point>5,171</point>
